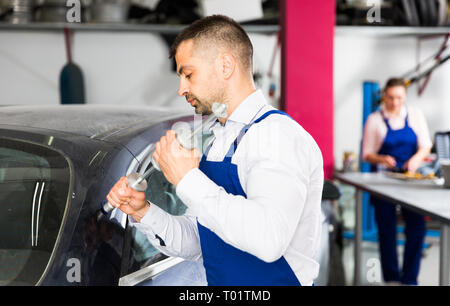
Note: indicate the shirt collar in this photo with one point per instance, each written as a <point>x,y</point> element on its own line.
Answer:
<point>249,108</point>
<point>401,115</point>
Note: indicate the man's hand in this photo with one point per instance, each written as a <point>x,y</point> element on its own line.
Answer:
<point>128,200</point>
<point>174,160</point>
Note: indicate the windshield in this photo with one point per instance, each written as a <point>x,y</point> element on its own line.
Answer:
<point>34,187</point>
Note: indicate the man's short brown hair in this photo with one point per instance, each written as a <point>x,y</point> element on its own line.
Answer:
<point>393,82</point>
<point>219,31</point>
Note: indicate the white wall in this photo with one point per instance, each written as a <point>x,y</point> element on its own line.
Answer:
<point>129,68</point>
<point>358,59</point>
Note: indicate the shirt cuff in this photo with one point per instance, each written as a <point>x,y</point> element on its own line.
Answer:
<point>155,219</point>
<point>194,187</point>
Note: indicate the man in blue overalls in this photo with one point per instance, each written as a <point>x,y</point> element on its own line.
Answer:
<point>254,215</point>
<point>397,138</point>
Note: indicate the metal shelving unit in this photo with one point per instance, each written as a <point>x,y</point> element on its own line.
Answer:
<point>369,31</point>
<point>120,27</point>
<point>385,31</point>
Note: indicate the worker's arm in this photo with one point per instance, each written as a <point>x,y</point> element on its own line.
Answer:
<point>414,162</point>
<point>423,141</point>
<point>173,235</point>
<point>385,160</point>
<point>277,184</point>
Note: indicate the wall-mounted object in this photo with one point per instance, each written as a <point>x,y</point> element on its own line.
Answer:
<point>22,11</point>
<point>71,81</point>
<point>110,11</point>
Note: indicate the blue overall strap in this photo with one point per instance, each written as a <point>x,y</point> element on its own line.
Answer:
<point>386,120</point>
<point>233,147</point>
<point>226,265</point>
<point>208,148</point>
<point>274,111</point>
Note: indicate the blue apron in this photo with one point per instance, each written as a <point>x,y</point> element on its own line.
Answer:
<point>402,145</point>
<point>226,265</point>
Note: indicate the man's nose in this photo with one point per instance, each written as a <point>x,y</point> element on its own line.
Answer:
<point>183,90</point>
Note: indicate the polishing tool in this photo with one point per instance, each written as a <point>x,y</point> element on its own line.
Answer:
<point>186,138</point>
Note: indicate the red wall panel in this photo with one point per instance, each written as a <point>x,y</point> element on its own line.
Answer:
<point>307,69</point>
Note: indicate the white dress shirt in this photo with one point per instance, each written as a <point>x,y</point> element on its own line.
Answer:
<point>375,129</point>
<point>280,168</point>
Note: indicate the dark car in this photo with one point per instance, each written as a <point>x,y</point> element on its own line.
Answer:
<point>57,164</point>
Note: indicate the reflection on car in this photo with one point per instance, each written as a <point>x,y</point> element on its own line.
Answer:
<point>57,164</point>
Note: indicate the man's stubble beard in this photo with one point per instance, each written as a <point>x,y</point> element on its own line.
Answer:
<point>203,107</point>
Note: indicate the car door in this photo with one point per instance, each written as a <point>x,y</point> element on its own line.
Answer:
<point>143,263</point>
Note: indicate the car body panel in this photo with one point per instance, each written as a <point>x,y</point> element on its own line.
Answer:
<point>93,121</point>
<point>99,155</point>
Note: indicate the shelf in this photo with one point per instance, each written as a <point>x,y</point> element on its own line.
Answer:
<point>385,31</point>
<point>120,27</point>
<point>369,31</point>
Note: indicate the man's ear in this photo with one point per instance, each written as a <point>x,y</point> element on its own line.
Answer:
<point>228,63</point>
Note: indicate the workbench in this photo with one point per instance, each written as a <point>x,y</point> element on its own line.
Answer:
<point>421,196</point>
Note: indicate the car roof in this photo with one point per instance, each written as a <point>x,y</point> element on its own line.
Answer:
<point>93,121</point>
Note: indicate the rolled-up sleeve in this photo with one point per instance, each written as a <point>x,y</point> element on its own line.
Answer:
<point>172,235</point>
<point>371,137</point>
<point>423,134</point>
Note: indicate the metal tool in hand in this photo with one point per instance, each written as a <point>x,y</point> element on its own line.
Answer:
<point>186,138</point>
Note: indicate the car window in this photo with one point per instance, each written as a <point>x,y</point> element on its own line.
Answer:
<point>34,188</point>
<point>161,193</point>
<point>143,256</point>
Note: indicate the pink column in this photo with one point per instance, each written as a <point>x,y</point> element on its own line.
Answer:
<point>307,69</point>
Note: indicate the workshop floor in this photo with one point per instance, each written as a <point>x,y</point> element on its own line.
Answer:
<point>371,269</point>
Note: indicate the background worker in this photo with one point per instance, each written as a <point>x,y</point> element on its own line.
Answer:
<point>396,138</point>
<point>254,214</point>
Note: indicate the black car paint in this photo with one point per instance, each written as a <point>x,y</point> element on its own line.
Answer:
<point>82,236</point>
